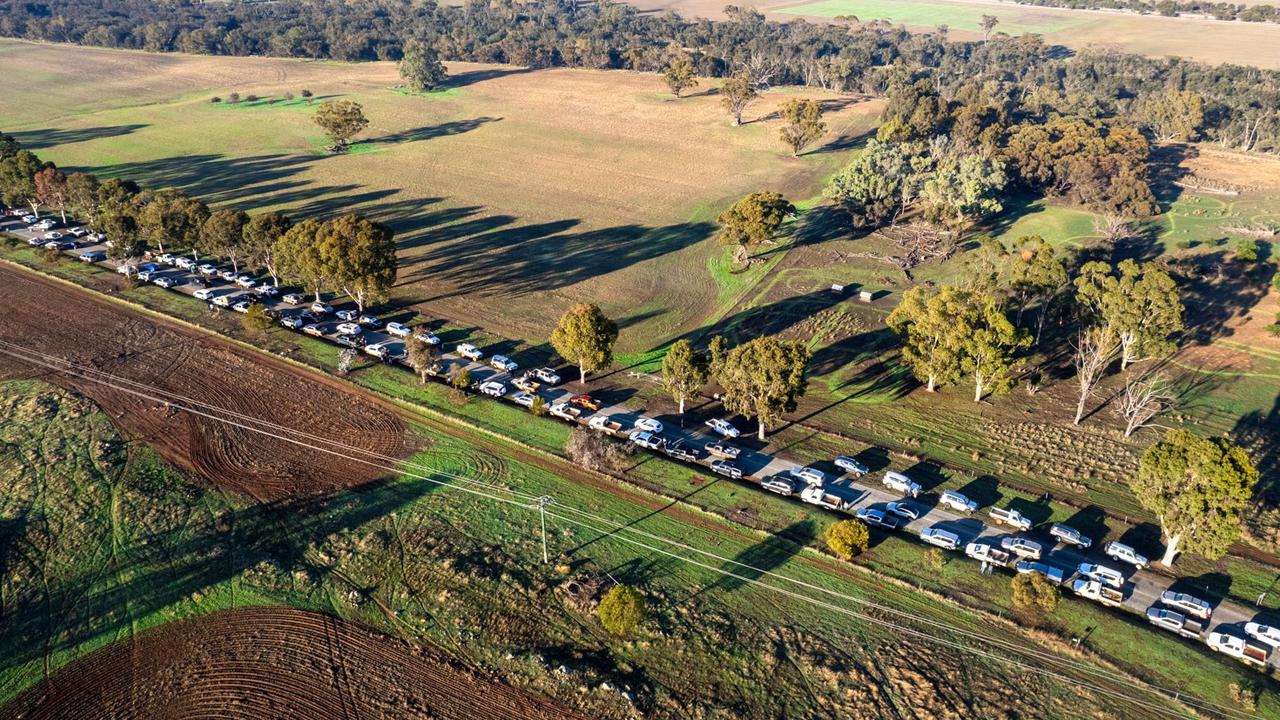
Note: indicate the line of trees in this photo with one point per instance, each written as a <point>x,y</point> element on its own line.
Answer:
<point>1244,12</point>
<point>1237,106</point>
<point>348,254</point>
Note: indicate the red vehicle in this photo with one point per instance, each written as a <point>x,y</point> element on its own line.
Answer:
<point>585,401</point>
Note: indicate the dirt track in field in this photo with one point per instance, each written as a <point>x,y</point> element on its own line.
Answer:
<point>272,663</point>
<point>49,317</point>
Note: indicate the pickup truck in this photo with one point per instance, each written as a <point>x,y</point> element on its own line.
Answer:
<point>606,424</point>
<point>1103,574</point>
<point>989,554</point>
<point>1095,590</point>
<point>816,495</point>
<point>1250,651</point>
<point>1012,518</point>
<point>872,516</point>
<point>1176,622</point>
<point>723,450</point>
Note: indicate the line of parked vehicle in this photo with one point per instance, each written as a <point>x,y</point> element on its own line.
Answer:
<point>1177,612</point>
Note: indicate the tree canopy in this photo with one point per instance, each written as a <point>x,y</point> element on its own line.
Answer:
<point>764,378</point>
<point>737,91</point>
<point>1198,489</point>
<point>359,257</point>
<point>1140,302</point>
<point>341,120</point>
<point>680,74</point>
<point>754,219</point>
<point>420,67</point>
<point>848,538</point>
<point>622,609</point>
<point>802,124</point>
<point>585,337</point>
<point>684,372</point>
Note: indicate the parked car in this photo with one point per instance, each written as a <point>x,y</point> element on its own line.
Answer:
<point>313,330</point>
<point>395,329</point>
<point>1009,517</point>
<point>811,476</point>
<point>526,383</point>
<point>266,289</point>
<point>524,399</point>
<point>1248,650</point>
<point>780,484</point>
<point>726,468</point>
<point>349,328</point>
<point>956,501</point>
<point>565,411</point>
<point>1053,574</point>
<point>207,270</point>
<point>585,401</point>
<point>850,465</point>
<point>347,315</point>
<point>503,363</point>
<point>145,275</point>
<point>723,449</point>
<point>242,306</point>
<point>1188,604</point>
<point>901,483</point>
<point>163,258</point>
<point>1269,634</point>
<point>378,350</point>
<point>426,336</point>
<point>1175,622</point>
<point>185,263</point>
<point>547,375</point>
<point>222,301</point>
<point>320,308</point>
<point>167,282</point>
<point>1022,547</point>
<point>55,235</point>
<point>879,518</point>
<point>227,275</point>
<point>723,427</point>
<point>93,256</point>
<point>493,388</point>
<point>246,282</point>
<point>648,425</point>
<point>370,321</point>
<point>469,351</point>
<point>941,538</point>
<point>1069,535</point>
<point>645,439</point>
<point>1123,553</point>
<point>293,322</point>
<point>202,294</point>
<point>351,341</point>
<point>294,299</point>
<point>903,510</point>
<point>79,232</point>
<point>1103,574</point>
<point>682,450</point>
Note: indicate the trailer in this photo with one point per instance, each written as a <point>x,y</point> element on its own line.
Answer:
<point>1098,592</point>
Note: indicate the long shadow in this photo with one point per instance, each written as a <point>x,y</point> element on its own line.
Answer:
<point>471,77</point>
<point>519,259</point>
<point>51,137</point>
<point>1257,431</point>
<point>453,127</point>
<point>765,556</point>
<point>632,523</point>
<point>1212,586</point>
<point>1216,290</point>
<point>1091,521</point>
<point>167,568</point>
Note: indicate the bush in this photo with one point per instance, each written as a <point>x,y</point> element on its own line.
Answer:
<point>596,452</point>
<point>622,609</point>
<point>848,538</point>
<point>935,559</point>
<point>1034,594</point>
<point>306,93</point>
<point>215,99</point>
<point>1245,250</point>
<point>461,379</point>
<point>256,320</point>
<point>1274,328</point>
<point>1275,280</point>
<point>1244,694</point>
<point>233,98</point>
<point>539,406</point>
<point>288,96</point>
<point>250,98</point>
<point>50,255</point>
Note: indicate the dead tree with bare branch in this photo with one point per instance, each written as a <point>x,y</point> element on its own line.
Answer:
<point>1143,399</point>
<point>1095,349</point>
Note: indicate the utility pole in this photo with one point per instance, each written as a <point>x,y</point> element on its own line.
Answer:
<point>542,504</point>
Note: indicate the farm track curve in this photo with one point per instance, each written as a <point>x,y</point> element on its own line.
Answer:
<point>272,663</point>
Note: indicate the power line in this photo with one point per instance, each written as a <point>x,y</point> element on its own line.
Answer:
<point>116,382</point>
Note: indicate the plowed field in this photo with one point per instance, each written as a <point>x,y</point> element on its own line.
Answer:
<point>48,317</point>
<point>271,663</point>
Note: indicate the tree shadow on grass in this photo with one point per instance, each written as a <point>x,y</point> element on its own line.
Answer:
<point>430,132</point>
<point>170,567</point>
<point>764,557</point>
<point>52,137</point>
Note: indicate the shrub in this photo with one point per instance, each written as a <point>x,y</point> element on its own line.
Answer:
<point>461,379</point>
<point>935,559</point>
<point>1034,594</point>
<point>1245,250</point>
<point>1244,694</point>
<point>1275,280</point>
<point>256,320</point>
<point>50,255</point>
<point>288,96</point>
<point>233,97</point>
<point>596,452</point>
<point>848,538</point>
<point>539,406</point>
<point>1274,328</point>
<point>622,609</point>
<point>215,99</point>
<point>306,93</point>
<point>250,98</point>
<point>1186,244</point>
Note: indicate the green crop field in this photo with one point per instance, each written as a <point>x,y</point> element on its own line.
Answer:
<point>1014,20</point>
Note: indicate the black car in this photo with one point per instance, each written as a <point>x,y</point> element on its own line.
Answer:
<point>309,317</point>
<point>682,451</point>
<point>352,341</point>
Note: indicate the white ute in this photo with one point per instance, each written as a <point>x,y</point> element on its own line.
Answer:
<point>469,351</point>
<point>1012,518</point>
<point>1101,573</point>
<point>1250,651</point>
<point>901,483</point>
<point>1022,547</point>
<point>723,427</point>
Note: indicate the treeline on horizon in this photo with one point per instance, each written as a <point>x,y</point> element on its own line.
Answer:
<point>1021,75</point>
<point>1171,8</point>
